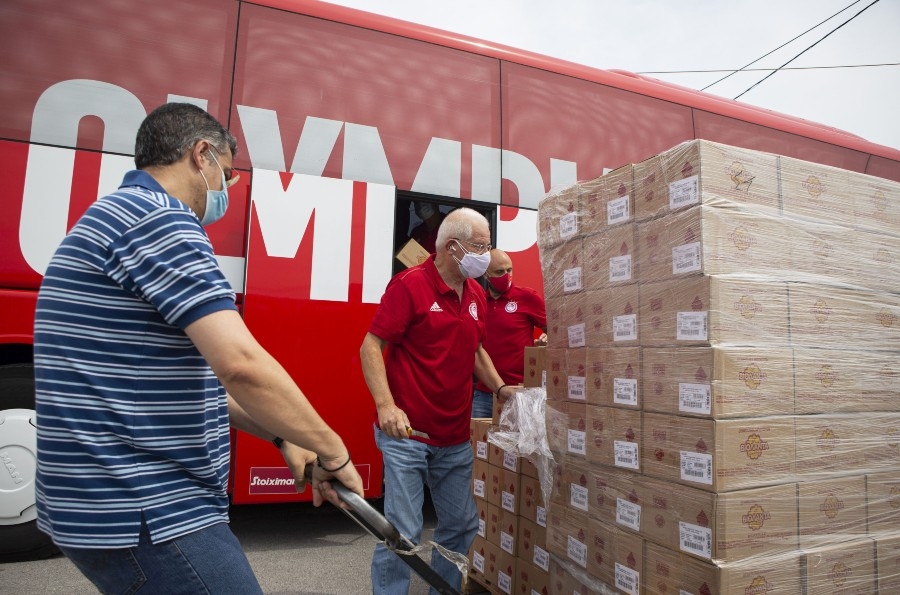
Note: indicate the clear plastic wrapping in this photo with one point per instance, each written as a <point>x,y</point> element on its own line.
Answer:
<point>723,375</point>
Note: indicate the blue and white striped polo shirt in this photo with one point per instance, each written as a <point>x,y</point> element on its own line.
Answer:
<point>131,420</point>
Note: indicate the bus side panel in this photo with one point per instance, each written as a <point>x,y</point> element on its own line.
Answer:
<point>546,115</point>
<point>17,316</point>
<point>403,91</point>
<point>761,138</point>
<point>183,48</point>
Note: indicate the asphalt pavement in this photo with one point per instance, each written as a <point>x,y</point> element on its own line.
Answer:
<point>295,549</point>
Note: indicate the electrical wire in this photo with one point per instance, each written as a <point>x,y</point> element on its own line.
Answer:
<point>807,49</point>
<point>779,47</point>
<point>766,69</point>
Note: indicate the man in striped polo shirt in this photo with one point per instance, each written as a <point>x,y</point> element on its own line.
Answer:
<point>136,341</point>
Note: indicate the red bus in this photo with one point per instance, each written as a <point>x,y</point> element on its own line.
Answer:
<point>344,119</point>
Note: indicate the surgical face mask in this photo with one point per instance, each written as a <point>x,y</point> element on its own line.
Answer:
<point>216,200</point>
<point>424,210</point>
<point>473,265</point>
<point>501,284</point>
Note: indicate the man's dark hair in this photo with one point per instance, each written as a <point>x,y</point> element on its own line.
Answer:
<point>172,129</point>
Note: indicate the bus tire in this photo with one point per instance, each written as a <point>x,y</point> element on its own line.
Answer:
<point>20,538</point>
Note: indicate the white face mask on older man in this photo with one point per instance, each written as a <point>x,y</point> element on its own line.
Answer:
<point>473,265</point>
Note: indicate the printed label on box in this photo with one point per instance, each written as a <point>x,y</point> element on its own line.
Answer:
<point>507,543</point>
<point>508,501</point>
<point>695,539</point>
<point>578,497</point>
<point>626,454</point>
<point>481,450</point>
<point>686,258</point>
<point>625,391</point>
<point>541,558</point>
<point>577,552</point>
<point>568,225</point>
<point>481,528</point>
<point>625,327</point>
<point>577,442</point>
<point>694,398</point>
<point>576,335</point>
<point>541,516</point>
<point>628,514</point>
<point>509,460</point>
<point>684,192</point>
<point>572,279</point>
<point>504,581</point>
<point>478,562</point>
<point>696,467</point>
<point>479,488</point>
<point>620,268</point>
<point>617,210</point>
<point>576,388</point>
<point>627,580</point>
<point>692,326</point>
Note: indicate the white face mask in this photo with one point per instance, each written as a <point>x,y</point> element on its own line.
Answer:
<point>473,265</point>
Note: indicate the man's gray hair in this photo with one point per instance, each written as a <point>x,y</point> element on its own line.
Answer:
<point>172,129</point>
<point>459,224</point>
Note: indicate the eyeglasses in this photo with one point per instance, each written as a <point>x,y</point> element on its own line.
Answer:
<point>231,176</point>
<point>479,248</point>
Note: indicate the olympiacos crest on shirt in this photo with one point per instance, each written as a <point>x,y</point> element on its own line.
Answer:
<point>473,310</point>
<point>512,307</point>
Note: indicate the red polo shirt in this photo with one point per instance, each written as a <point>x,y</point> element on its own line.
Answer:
<point>432,337</point>
<point>511,320</point>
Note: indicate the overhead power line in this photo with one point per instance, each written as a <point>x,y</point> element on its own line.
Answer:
<point>807,49</point>
<point>765,69</point>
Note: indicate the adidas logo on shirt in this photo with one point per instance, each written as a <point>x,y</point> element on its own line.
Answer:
<point>435,307</point>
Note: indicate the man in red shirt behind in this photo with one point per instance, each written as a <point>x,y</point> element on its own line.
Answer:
<point>418,357</point>
<point>513,312</point>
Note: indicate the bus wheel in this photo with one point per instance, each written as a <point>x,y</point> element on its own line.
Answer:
<point>20,539</point>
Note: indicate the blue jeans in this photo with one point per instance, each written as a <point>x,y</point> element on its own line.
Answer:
<point>482,404</point>
<point>408,466</point>
<point>206,561</point>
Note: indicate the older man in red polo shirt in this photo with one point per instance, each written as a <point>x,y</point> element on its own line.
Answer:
<point>513,312</point>
<point>418,358</point>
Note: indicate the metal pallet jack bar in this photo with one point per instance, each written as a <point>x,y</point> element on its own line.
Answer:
<point>383,530</point>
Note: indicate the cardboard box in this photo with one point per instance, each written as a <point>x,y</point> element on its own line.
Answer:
<point>535,367</point>
<point>718,382</point>
<point>531,501</point>
<point>502,458</point>
<point>565,321</point>
<point>478,438</point>
<point>532,544</point>
<point>852,318</point>
<point>563,268</point>
<point>845,569</point>
<point>502,567</point>
<point>814,191</point>
<point>412,254</point>
<point>831,510</point>
<point>875,263</point>
<point>509,490</point>
<point>734,526</point>
<point>613,376</point>
<point>611,316</point>
<point>507,531</point>
<point>557,374</point>
<point>876,203</point>
<point>559,217</point>
<point>713,310</point>
<point>478,560</point>
<point>703,172</point>
<point>481,479</point>
<point>824,252</point>
<point>566,428</point>
<point>832,380</point>
<point>849,443</point>
<point>883,502</point>
<point>614,437</point>
<point>667,571</point>
<point>607,201</point>
<point>483,509</point>
<point>713,240</point>
<point>531,579</point>
<point>719,455</point>
<point>610,257</point>
<point>887,552</point>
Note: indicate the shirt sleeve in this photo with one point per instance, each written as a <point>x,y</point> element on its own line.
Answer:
<point>166,260</point>
<point>394,313</point>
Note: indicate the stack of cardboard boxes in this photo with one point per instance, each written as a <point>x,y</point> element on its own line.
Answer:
<point>723,378</point>
<point>510,552</point>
